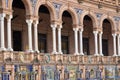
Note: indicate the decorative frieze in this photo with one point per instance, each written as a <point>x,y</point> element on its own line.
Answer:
<point>98,15</point>
<point>6,3</point>
<point>79,12</point>
<point>33,2</point>
<point>57,8</point>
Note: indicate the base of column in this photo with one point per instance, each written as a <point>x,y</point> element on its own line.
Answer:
<point>9,49</point>
<point>101,54</point>
<point>54,52</point>
<point>82,54</point>
<point>37,51</point>
<point>96,54</point>
<point>2,49</point>
<point>76,54</point>
<point>60,52</point>
<point>30,51</point>
<point>115,55</point>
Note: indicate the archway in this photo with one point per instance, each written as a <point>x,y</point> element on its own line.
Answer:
<point>19,29</point>
<point>88,37</point>
<point>107,40</point>
<point>44,30</point>
<point>67,33</point>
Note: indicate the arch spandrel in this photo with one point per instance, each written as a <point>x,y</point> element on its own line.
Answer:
<point>91,15</point>
<point>48,5</point>
<point>110,19</point>
<point>71,11</point>
<point>27,4</point>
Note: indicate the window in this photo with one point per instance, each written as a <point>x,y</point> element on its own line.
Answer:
<point>42,43</point>
<point>86,46</point>
<point>17,40</point>
<point>105,47</point>
<point>65,48</point>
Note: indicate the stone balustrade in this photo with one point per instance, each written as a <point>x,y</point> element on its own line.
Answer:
<point>14,64</point>
<point>23,57</point>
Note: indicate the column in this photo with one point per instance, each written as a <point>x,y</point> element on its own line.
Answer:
<point>81,41</point>
<point>36,36</point>
<point>54,38</point>
<point>59,39</point>
<point>76,40</point>
<point>96,43</point>
<point>114,44</point>
<point>100,43</point>
<point>2,37</point>
<point>9,33</point>
<point>118,42</point>
<point>29,22</point>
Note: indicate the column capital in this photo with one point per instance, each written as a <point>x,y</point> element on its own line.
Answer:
<point>114,34</point>
<point>60,26</point>
<point>29,20</point>
<point>118,35</point>
<point>100,32</point>
<point>75,29</point>
<point>9,17</point>
<point>81,29</point>
<point>54,25</point>
<point>95,32</point>
<point>2,15</point>
<point>35,21</point>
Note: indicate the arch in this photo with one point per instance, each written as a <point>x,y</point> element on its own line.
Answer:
<point>48,5</point>
<point>27,4</point>
<point>91,15</point>
<point>110,19</point>
<point>71,11</point>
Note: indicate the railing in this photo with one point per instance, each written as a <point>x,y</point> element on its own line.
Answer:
<point>23,57</point>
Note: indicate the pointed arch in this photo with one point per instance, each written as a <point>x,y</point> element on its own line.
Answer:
<point>48,5</point>
<point>91,15</point>
<point>27,4</point>
<point>71,11</point>
<point>109,18</point>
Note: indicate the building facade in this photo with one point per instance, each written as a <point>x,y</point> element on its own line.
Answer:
<point>59,40</point>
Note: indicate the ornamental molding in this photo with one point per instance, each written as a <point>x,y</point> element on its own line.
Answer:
<point>57,8</point>
<point>116,18</point>
<point>6,3</point>
<point>98,15</point>
<point>33,2</point>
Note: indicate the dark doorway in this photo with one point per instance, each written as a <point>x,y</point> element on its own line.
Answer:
<point>17,40</point>
<point>42,43</point>
<point>65,48</point>
<point>86,46</point>
<point>105,47</point>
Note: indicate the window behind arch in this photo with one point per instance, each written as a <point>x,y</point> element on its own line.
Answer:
<point>65,45</point>
<point>42,43</point>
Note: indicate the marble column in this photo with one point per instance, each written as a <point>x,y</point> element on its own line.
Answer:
<point>36,36</point>
<point>29,22</point>
<point>76,40</point>
<point>9,48</point>
<point>2,36</point>
<point>54,26</point>
<point>81,41</point>
<point>59,40</point>
<point>114,44</point>
<point>96,42</point>
<point>118,42</point>
<point>100,43</point>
